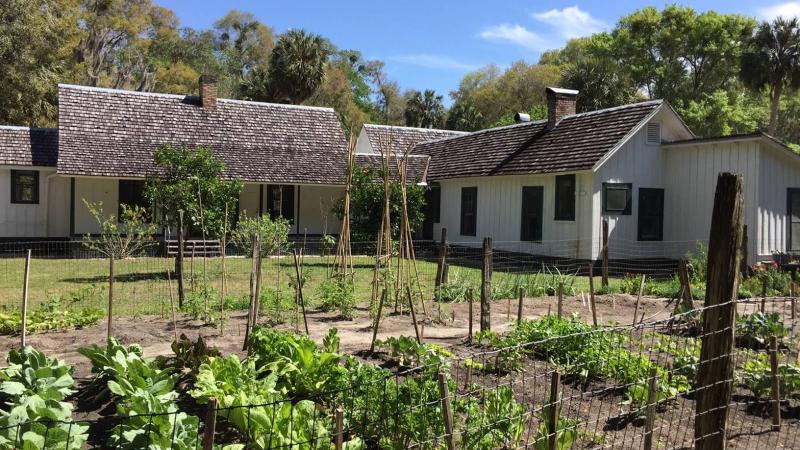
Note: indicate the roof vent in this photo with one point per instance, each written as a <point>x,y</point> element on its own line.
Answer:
<point>560,103</point>
<point>522,117</point>
<point>208,92</point>
<point>653,133</point>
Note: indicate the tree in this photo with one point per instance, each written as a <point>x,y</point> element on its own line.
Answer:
<point>36,41</point>
<point>274,234</point>
<point>366,205</point>
<point>243,45</point>
<point>296,67</point>
<point>601,83</point>
<point>119,238</point>
<point>464,117</point>
<point>717,114</point>
<point>772,61</point>
<point>424,110</point>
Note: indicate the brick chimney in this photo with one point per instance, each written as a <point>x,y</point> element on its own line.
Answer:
<point>208,92</point>
<point>560,103</point>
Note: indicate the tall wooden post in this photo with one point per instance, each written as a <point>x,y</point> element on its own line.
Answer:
<point>687,299</point>
<point>744,251</point>
<point>486,285</point>
<point>553,411</point>
<point>591,295</point>
<point>560,299</point>
<point>447,412</point>
<point>605,252</point>
<point>652,399</point>
<point>519,305</point>
<point>442,262</point>
<point>776,385</point>
<point>339,428</point>
<point>211,424</point>
<point>179,261</point>
<point>715,373</point>
<point>638,300</point>
<point>253,274</point>
<point>24,318</point>
<point>470,301</point>
<point>110,295</point>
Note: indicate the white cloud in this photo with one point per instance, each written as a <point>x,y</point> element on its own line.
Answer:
<point>434,61</point>
<point>571,22</point>
<point>786,10</point>
<point>516,34</point>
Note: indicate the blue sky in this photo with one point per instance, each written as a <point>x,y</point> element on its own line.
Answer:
<point>432,44</point>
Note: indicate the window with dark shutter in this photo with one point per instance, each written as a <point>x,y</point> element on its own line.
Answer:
<point>651,214</point>
<point>131,194</point>
<point>617,198</point>
<point>565,197</point>
<point>532,212</point>
<point>25,186</point>
<point>280,201</point>
<point>434,203</point>
<point>469,210</point>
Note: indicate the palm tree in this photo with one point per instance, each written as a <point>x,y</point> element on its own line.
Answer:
<point>772,61</point>
<point>424,110</point>
<point>297,66</point>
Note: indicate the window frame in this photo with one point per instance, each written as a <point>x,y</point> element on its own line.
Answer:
<point>639,235</point>
<point>557,213</point>
<point>629,201</point>
<point>523,231</point>
<point>434,206</point>
<point>465,215</point>
<point>15,190</point>
<point>143,204</point>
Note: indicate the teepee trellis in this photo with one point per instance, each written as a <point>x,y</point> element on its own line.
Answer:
<point>343,263</point>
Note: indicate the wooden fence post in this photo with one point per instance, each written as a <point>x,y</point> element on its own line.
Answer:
<point>652,399</point>
<point>560,299</point>
<point>555,405</point>
<point>687,299</point>
<point>339,428</point>
<point>591,295</point>
<point>179,261</point>
<point>470,300</point>
<point>447,413</point>
<point>210,425</point>
<point>486,285</point>
<point>252,308</point>
<point>776,385</point>
<point>605,252</point>
<point>442,261</point>
<point>638,300</point>
<point>715,372</point>
<point>519,305</point>
<point>24,318</point>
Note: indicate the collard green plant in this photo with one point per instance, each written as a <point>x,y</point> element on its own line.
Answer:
<point>498,423</point>
<point>408,352</point>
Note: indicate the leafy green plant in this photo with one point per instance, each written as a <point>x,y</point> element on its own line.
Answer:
<point>338,294</point>
<point>274,234</point>
<point>498,423</point>
<point>408,352</point>
<point>754,330</point>
<point>150,422</point>
<point>54,314</point>
<point>188,357</point>
<point>566,429</point>
<point>756,375</point>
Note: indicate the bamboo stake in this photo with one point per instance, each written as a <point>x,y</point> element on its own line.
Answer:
<point>776,385</point>
<point>560,299</point>
<point>591,296</point>
<point>172,305</point>
<point>24,318</point>
<point>413,314</point>
<point>222,287</point>
<point>470,298</point>
<point>377,322</point>
<point>300,289</point>
<point>638,299</point>
<point>519,305</point>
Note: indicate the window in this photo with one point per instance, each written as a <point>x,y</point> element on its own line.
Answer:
<point>433,199</point>
<point>532,207</point>
<point>469,210</point>
<point>565,197</point>
<point>25,186</point>
<point>617,198</point>
<point>280,201</point>
<point>653,133</point>
<point>131,193</point>
<point>651,214</point>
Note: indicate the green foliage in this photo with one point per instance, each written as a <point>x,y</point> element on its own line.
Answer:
<point>756,375</point>
<point>423,110</point>
<point>109,362</point>
<point>566,429</point>
<point>188,355</point>
<point>33,388</point>
<point>296,67</point>
<point>274,234</point>
<point>754,330</point>
<point>188,179</point>
<point>150,422</point>
<point>463,116</point>
<point>54,314</point>
<point>408,352</point>
<point>123,237</point>
<point>339,294</point>
<point>498,423</point>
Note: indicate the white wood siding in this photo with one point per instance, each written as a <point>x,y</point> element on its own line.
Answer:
<point>58,207</point>
<point>23,220</point>
<point>499,214</point>
<point>94,190</point>
<point>362,143</point>
<point>314,209</point>
<point>248,200</point>
<point>778,171</point>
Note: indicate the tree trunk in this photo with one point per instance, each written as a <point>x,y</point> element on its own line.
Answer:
<point>774,103</point>
<point>110,294</point>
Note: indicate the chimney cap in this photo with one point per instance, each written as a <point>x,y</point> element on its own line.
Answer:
<point>522,117</point>
<point>562,91</point>
<point>208,79</point>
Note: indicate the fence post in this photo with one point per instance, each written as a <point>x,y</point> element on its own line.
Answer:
<point>652,399</point>
<point>339,428</point>
<point>252,308</point>
<point>486,285</point>
<point>715,372</point>
<point>744,251</point>
<point>763,294</point>
<point>470,300</point>
<point>686,285</point>
<point>638,300</point>
<point>447,414</point>
<point>179,261</point>
<point>110,294</point>
<point>519,305</point>
<point>591,295</point>
<point>560,299</point>
<point>24,318</point>
<point>605,252</point>
<point>210,425</point>
<point>776,385</point>
<point>552,419</point>
<point>442,262</point>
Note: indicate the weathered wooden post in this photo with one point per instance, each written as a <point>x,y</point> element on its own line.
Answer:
<point>638,300</point>
<point>412,308</point>
<point>211,424</point>
<point>560,299</point>
<point>447,412</point>
<point>715,372</point>
<point>652,400</point>
<point>744,251</point>
<point>591,295</point>
<point>687,299</point>
<point>776,385</point>
<point>555,405</point>
<point>339,428</point>
<point>442,261</point>
<point>179,261</point>
<point>384,294</point>
<point>605,252</point>
<point>519,305</point>
<point>110,295</point>
<point>486,285</point>
<point>24,318</point>
<point>300,289</point>
<point>252,307</point>
<point>470,300</point>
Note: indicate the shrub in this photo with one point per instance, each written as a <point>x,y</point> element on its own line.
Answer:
<point>338,294</point>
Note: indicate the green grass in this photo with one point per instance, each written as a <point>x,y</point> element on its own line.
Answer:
<point>141,283</point>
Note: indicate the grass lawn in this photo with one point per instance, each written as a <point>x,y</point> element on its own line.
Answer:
<point>141,284</point>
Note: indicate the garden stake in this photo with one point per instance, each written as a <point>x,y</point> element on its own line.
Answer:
<point>300,289</point>
<point>210,424</point>
<point>554,403</point>
<point>447,413</point>
<point>591,296</point>
<point>222,287</point>
<point>652,399</point>
<point>384,294</point>
<point>776,386</point>
<point>470,296</point>
<point>560,299</point>
<point>339,428</point>
<point>24,318</point>
<point>253,269</point>
<point>519,305</point>
<point>413,313</point>
<point>172,305</point>
<point>638,299</point>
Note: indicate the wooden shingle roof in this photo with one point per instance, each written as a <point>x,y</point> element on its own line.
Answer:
<point>106,132</point>
<point>416,168</point>
<point>403,138</point>
<point>576,142</point>
<point>23,146</point>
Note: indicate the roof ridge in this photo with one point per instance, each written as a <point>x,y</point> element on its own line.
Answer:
<point>441,130</point>
<point>180,96</point>
<point>378,155</point>
<point>486,130</point>
<point>615,108</point>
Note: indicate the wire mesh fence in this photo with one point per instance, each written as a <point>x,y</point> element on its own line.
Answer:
<point>550,383</point>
